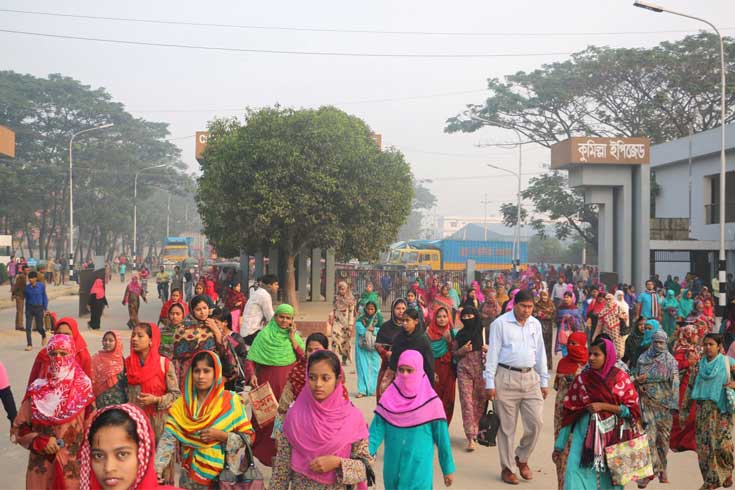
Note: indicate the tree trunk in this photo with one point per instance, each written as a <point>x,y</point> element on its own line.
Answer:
<point>289,289</point>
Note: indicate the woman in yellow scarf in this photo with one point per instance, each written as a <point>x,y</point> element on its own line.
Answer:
<point>208,421</point>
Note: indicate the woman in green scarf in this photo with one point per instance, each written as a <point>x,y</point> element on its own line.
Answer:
<point>714,424</point>
<point>671,312</point>
<point>686,304</point>
<point>367,358</point>
<point>368,296</point>
<point>271,358</point>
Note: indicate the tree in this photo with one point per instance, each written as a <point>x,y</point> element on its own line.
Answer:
<point>414,227</point>
<point>44,113</point>
<point>298,179</point>
<point>657,92</point>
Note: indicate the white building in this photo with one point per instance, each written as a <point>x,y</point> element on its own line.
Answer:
<point>685,229</point>
<point>449,225</point>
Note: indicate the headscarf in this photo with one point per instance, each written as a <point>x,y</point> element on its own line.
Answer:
<point>163,315</point>
<point>454,295</point>
<point>478,292</point>
<point>502,295</point>
<point>657,361</point>
<point>670,302</point>
<point>98,289</point>
<point>710,381</point>
<point>471,330</point>
<point>134,286</point>
<point>439,345</point>
<point>684,338</point>
<point>611,358</point>
<point>65,390</point>
<point>620,300</point>
<point>544,309</point>
<point>577,355</point>
<point>147,373</point>
<point>233,297</point>
<point>648,334</point>
<point>410,400</point>
<point>272,346</point>
<point>390,329</point>
<point>376,320</point>
<point>369,297</point>
<point>686,305</point>
<point>418,341</point>
<point>221,409</point>
<point>343,301</point>
<point>41,363</point>
<point>145,478</point>
<point>709,309</point>
<point>106,366</point>
<point>314,428</point>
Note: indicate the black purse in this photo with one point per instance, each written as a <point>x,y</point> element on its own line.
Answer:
<point>489,426</point>
<point>368,471</point>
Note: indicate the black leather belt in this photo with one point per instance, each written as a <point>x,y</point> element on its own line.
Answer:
<point>519,370</point>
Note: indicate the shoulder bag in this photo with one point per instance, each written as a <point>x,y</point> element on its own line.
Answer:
<point>240,472</point>
<point>629,460</point>
<point>488,427</point>
<point>367,341</point>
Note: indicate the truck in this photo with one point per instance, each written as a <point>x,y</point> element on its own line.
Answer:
<point>451,255</point>
<point>175,250</point>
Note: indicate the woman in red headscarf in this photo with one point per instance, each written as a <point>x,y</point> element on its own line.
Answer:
<point>152,383</point>
<point>66,326</point>
<point>108,372</point>
<point>97,303</point>
<point>441,337</point>
<point>567,369</point>
<point>51,419</point>
<point>119,426</point>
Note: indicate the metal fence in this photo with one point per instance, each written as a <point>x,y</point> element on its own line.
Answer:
<point>393,284</point>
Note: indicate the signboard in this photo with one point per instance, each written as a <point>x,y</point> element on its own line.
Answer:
<point>7,142</point>
<point>600,151</point>
<point>378,138</point>
<point>201,144</point>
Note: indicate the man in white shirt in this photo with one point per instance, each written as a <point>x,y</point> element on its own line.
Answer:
<point>557,293</point>
<point>517,380</point>
<point>259,308</point>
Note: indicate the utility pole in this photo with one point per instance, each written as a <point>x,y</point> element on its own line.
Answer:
<point>484,221</point>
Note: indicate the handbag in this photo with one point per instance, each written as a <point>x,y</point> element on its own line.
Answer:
<point>488,427</point>
<point>367,341</point>
<point>240,472</point>
<point>629,460</point>
<point>264,403</point>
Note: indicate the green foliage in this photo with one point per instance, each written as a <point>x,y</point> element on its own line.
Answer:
<point>298,179</point>
<point>44,113</point>
<point>551,249</point>
<point>656,92</point>
<point>413,228</point>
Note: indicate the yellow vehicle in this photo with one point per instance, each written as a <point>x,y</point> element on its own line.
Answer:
<point>175,251</point>
<point>415,258</point>
<point>454,254</point>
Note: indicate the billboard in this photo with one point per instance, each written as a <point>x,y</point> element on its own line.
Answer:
<point>606,151</point>
<point>7,142</point>
<point>201,144</point>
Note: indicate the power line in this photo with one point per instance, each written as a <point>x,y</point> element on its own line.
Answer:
<point>290,52</point>
<point>344,31</point>
<point>363,101</point>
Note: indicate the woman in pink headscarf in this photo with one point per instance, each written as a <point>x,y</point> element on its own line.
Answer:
<point>324,443</point>
<point>410,419</point>
<point>133,294</point>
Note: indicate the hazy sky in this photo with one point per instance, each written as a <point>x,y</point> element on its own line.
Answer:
<point>407,100</point>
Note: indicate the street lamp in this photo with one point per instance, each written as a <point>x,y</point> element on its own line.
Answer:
<point>71,194</point>
<point>518,206</point>
<point>135,209</point>
<point>517,237</point>
<point>722,266</point>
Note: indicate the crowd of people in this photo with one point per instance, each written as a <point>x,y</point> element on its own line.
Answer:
<point>631,365</point>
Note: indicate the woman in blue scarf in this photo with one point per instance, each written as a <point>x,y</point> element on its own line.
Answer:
<point>670,308</point>
<point>714,424</point>
<point>650,327</point>
<point>367,358</point>
<point>686,304</point>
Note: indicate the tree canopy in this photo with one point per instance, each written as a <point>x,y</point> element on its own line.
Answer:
<point>657,92</point>
<point>297,179</point>
<point>44,113</point>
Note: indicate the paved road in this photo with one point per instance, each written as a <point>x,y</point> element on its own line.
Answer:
<point>478,470</point>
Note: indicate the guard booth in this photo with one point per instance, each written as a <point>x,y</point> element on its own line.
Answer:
<point>614,174</point>
<point>86,279</point>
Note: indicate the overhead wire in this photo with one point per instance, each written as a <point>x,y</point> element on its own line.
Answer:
<point>346,54</point>
<point>342,31</point>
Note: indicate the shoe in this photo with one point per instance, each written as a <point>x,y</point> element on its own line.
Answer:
<point>662,478</point>
<point>44,341</point>
<point>470,446</point>
<point>524,470</point>
<point>22,329</point>
<point>28,348</point>
<point>509,477</point>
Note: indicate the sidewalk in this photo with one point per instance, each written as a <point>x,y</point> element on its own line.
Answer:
<point>52,292</point>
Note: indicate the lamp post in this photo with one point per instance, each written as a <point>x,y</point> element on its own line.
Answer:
<point>517,237</point>
<point>135,209</point>
<point>722,265</point>
<point>518,210</point>
<point>71,194</point>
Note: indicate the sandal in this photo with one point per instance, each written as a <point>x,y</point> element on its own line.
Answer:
<point>360,395</point>
<point>662,478</point>
<point>470,446</point>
